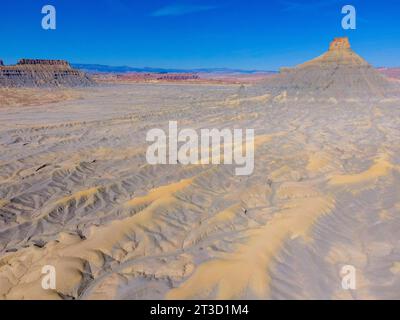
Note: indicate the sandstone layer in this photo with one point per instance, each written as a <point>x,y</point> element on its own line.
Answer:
<point>339,73</point>
<point>42,73</point>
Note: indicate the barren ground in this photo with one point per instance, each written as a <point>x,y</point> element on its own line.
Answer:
<point>76,192</point>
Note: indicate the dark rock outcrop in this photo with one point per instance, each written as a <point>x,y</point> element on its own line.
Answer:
<point>42,73</point>
<point>43,62</point>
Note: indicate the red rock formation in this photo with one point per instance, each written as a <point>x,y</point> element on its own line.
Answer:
<point>178,77</point>
<point>147,77</point>
<point>390,72</point>
<point>339,44</point>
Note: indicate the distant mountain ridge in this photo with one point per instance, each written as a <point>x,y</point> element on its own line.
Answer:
<point>99,68</point>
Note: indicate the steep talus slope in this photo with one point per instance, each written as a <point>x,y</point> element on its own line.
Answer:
<point>339,73</point>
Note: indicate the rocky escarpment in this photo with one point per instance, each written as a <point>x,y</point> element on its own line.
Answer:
<point>42,73</point>
<point>338,73</point>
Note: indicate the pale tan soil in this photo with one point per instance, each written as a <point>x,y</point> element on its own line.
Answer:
<point>15,97</point>
<point>76,192</point>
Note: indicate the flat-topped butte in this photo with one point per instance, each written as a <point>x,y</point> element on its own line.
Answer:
<point>42,73</point>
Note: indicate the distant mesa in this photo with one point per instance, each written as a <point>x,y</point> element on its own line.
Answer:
<point>338,73</point>
<point>178,77</point>
<point>42,73</point>
<point>393,73</point>
<point>43,62</point>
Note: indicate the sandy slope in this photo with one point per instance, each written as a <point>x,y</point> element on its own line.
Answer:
<point>13,97</point>
<point>76,192</point>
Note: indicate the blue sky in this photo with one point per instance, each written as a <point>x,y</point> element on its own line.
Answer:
<point>247,34</point>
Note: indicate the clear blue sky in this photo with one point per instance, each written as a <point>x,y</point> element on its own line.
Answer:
<point>247,34</point>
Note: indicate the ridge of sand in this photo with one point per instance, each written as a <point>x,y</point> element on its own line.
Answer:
<point>245,269</point>
<point>378,169</point>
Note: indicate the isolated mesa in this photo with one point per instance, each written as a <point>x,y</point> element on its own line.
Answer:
<point>42,73</point>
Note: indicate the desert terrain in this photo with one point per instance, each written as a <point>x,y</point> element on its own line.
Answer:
<point>77,193</point>
<point>17,97</point>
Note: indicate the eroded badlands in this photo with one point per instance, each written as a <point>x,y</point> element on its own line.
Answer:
<point>77,193</point>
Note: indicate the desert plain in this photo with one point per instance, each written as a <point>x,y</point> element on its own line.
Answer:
<point>77,193</point>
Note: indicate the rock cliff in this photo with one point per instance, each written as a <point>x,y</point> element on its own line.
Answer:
<point>42,73</point>
<point>338,73</point>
